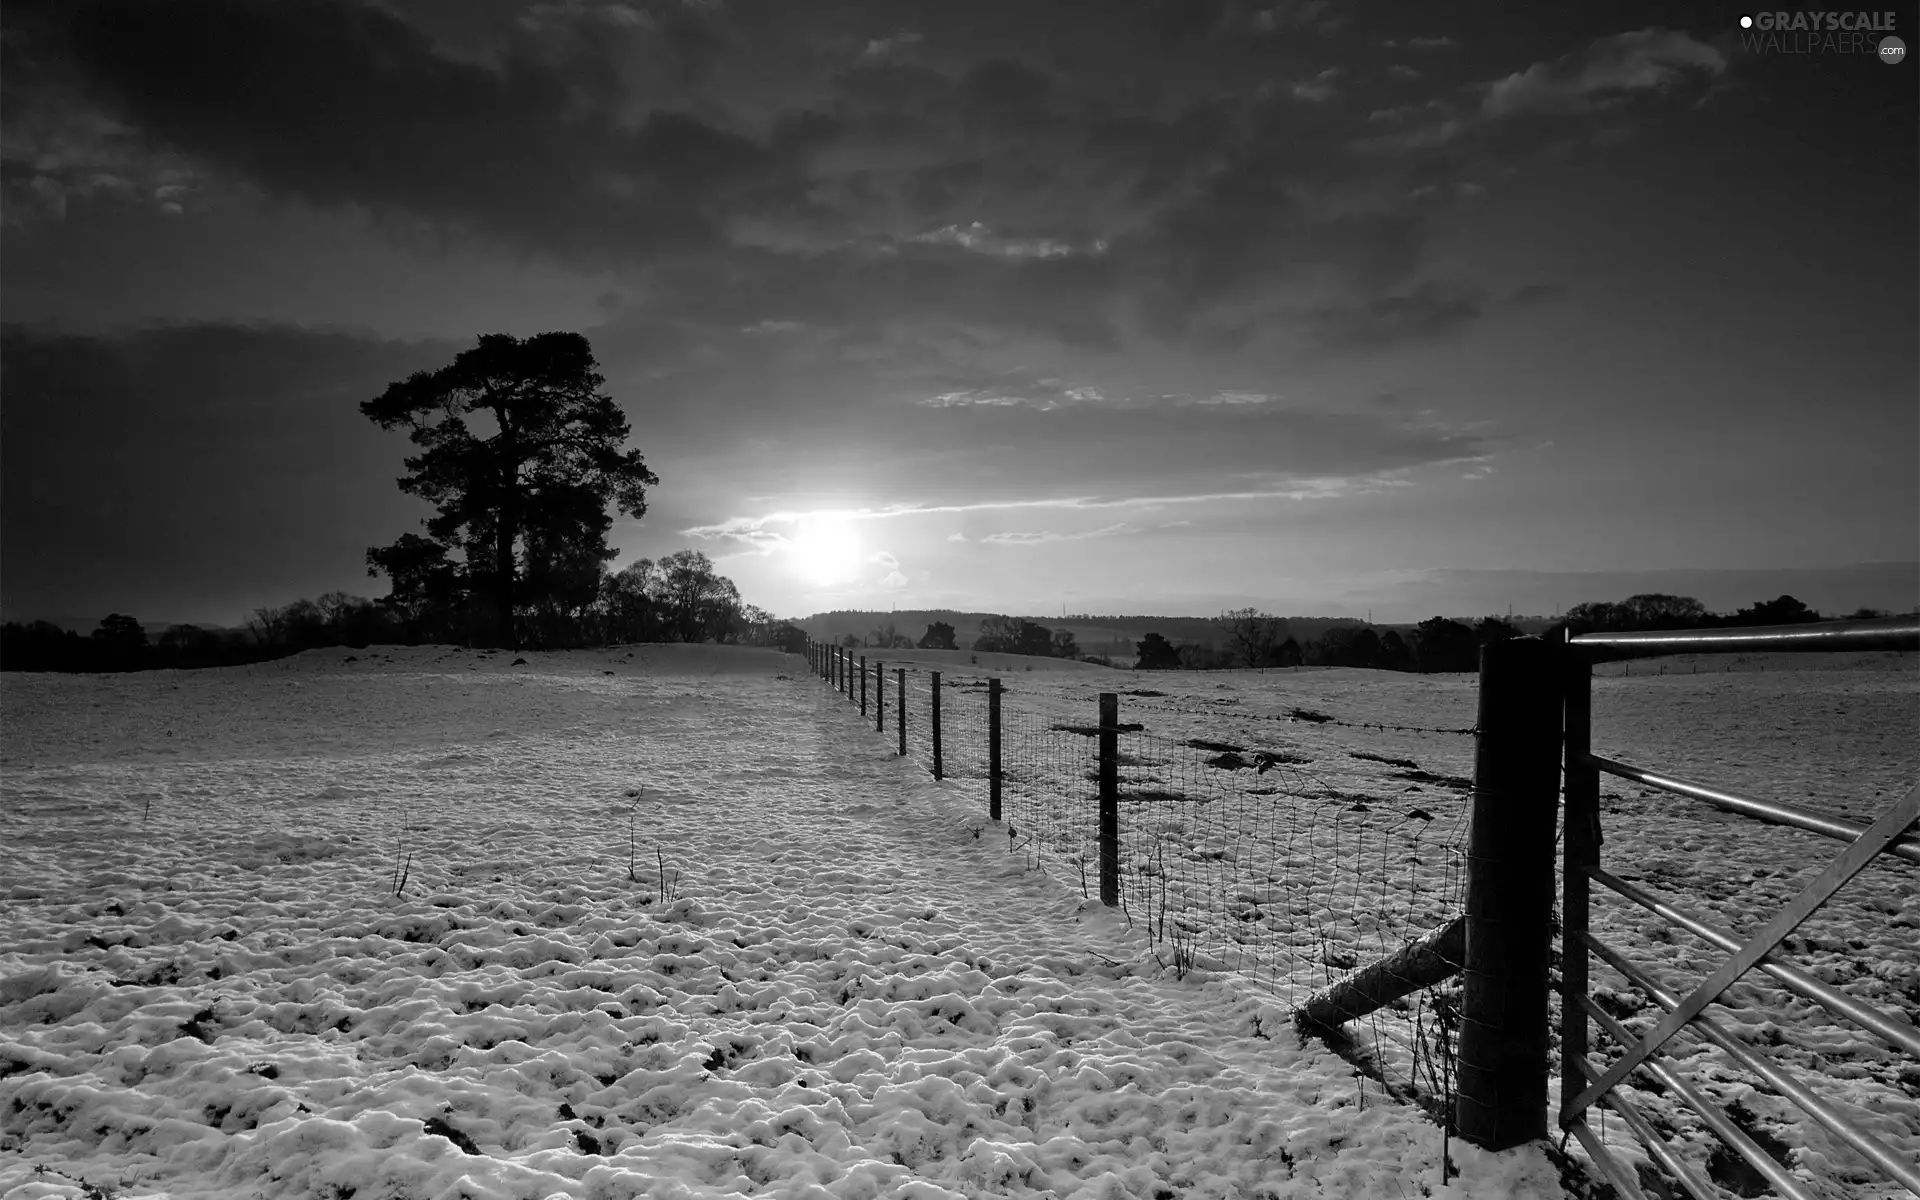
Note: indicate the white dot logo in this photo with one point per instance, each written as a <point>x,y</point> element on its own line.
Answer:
<point>1746,22</point>
<point>1892,50</point>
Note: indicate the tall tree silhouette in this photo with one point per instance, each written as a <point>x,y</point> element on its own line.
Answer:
<point>121,641</point>
<point>1443,645</point>
<point>1783,610</point>
<point>1157,654</point>
<point>552,460</point>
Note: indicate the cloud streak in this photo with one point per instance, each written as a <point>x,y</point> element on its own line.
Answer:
<point>759,530</point>
<point>1646,60</point>
<point>1042,537</point>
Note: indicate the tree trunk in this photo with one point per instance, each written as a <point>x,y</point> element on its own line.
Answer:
<point>1437,955</point>
<point>504,536</point>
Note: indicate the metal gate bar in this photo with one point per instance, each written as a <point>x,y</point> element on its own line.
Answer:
<point>1904,1037</point>
<point>1905,846</point>
<point>1657,1146</point>
<point>1871,1147</point>
<point>1722,1127</point>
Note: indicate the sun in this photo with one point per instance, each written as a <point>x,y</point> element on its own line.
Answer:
<point>826,549</point>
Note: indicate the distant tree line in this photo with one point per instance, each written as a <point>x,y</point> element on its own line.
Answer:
<point>885,636</point>
<point>1258,639</point>
<point>1014,635</point>
<point>678,599</point>
<point>1000,635</point>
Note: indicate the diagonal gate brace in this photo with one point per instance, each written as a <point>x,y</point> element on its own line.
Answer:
<point>1852,860</point>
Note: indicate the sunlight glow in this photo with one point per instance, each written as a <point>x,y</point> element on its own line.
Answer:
<point>826,549</point>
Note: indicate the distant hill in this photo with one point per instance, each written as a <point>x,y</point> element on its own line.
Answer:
<point>1114,636</point>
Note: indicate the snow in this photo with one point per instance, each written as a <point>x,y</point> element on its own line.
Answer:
<point>674,924</point>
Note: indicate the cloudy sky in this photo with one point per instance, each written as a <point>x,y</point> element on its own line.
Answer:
<point>1118,306</point>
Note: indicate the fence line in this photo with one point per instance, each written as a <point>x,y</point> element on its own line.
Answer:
<point>1361,908</point>
<point>1232,857</point>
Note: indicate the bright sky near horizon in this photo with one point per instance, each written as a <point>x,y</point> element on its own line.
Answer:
<point>1128,307</point>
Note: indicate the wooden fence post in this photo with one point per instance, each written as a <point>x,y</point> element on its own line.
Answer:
<point>863,685</point>
<point>879,696</point>
<point>1110,799</point>
<point>900,707</point>
<point>993,749</point>
<point>938,766</point>
<point>1580,841</point>
<point>1503,1064</point>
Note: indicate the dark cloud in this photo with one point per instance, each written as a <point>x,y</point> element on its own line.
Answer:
<point>1534,293</point>
<point>1087,173</point>
<point>1179,23</point>
<point>1182,196</point>
<point>1006,97</point>
<point>345,104</point>
<point>1524,110</point>
<point>1427,311</point>
<point>144,467</point>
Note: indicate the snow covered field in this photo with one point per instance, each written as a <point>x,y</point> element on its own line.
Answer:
<point>673,924</point>
<point>1837,733</point>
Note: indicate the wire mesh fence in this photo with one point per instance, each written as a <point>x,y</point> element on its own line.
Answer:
<point>1268,848</point>
<point>1249,861</point>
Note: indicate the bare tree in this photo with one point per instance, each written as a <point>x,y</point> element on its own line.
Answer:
<point>268,626</point>
<point>1253,636</point>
